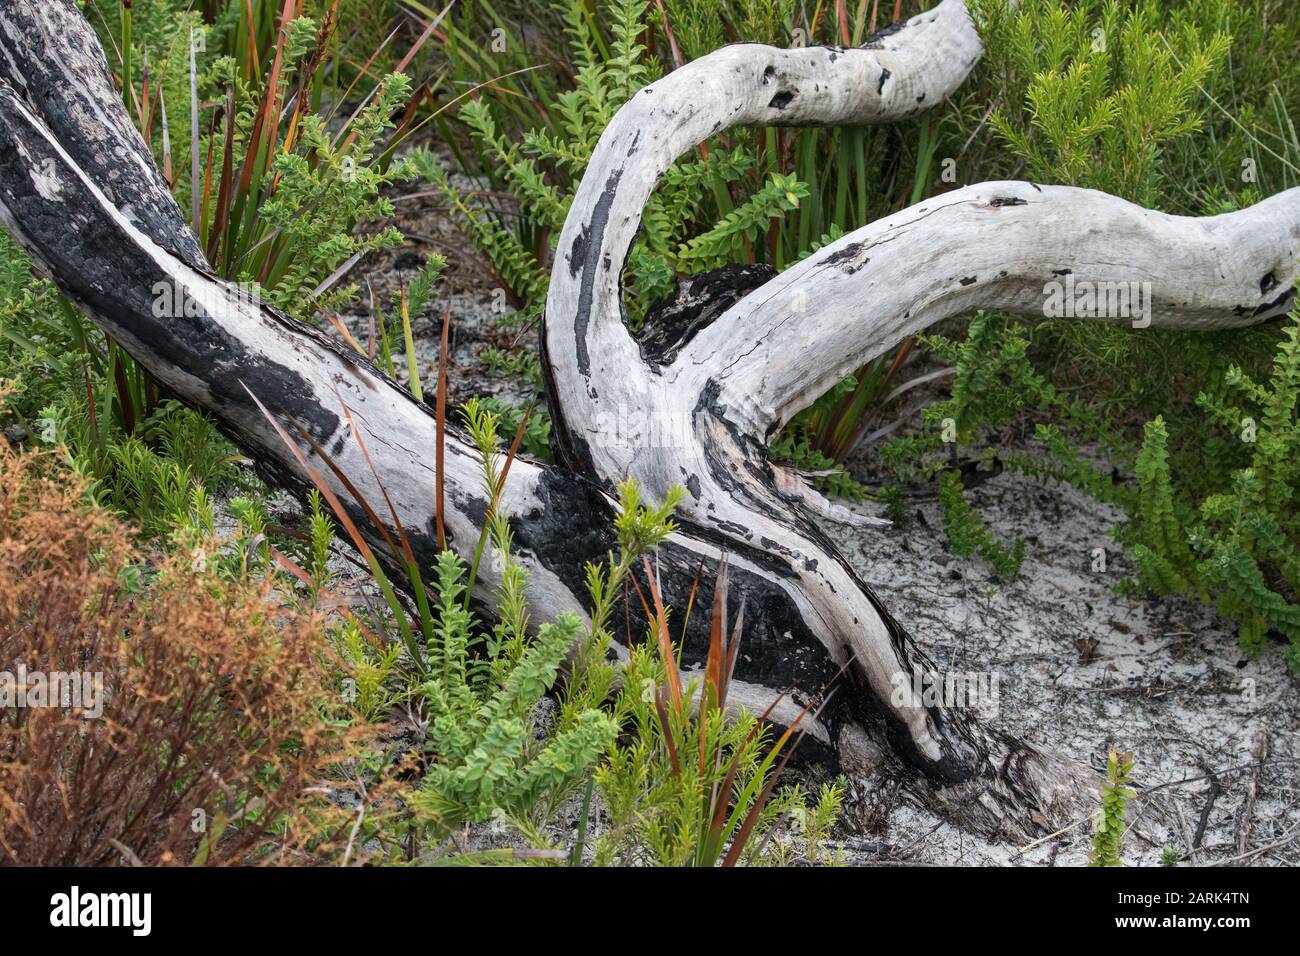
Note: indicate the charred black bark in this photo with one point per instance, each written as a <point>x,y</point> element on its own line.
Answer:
<point>697,301</point>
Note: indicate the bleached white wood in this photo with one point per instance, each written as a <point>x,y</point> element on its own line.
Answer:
<point>1012,246</point>
<point>237,344</point>
<point>598,374</point>
<point>901,73</point>
<point>702,421</point>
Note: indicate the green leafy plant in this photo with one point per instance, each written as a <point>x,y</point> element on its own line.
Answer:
<point>692,223</point>
<point>483,736</point>
<point>968,534</point>
<point>274,187</point>
<point>1105,87</point>
<point>137,452</point>
<point>993,382</point>
<point>274,197</point>
<point>1108,95</point>
<point>696,783</point>
<point>1238,543</point>
<point>1108,823</point>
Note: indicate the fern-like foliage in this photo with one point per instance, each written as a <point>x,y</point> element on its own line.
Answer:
<point>483,731</point>
<point>691,222</point>
<point>795,445</point>
<point>711,208</point>
<point>490,749</point>
<point>969,535</point>
<point>719,245</point>
<point>1240,545</point>
<point>1160,547</point>
<point>322,193</point>
<point>994,381</point>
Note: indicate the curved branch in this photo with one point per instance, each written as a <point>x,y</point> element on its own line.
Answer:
<point>898,73</point>
<point>701,422</point>
<point>616,414</point>
<point>1012,246</point>
<point>214,347</point>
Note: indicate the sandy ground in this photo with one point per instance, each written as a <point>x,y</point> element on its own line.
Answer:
<point>1080,670</point>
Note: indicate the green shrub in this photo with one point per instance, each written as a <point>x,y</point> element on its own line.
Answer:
<point>483,734</point>
<point>1240,543</point>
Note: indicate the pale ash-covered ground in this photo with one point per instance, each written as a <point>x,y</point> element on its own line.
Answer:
<point>1164,680</point>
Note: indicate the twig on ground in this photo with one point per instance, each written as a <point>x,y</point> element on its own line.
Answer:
<point>1215,789</point>
<point>1245,818</point>
<point>1288,837</point>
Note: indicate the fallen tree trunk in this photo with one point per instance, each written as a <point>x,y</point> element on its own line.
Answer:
<point>110,241</point>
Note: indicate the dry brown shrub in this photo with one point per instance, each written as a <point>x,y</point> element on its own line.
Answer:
<point>213,709</point>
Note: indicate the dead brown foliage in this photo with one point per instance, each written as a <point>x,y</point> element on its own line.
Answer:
<point>211,741</point>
